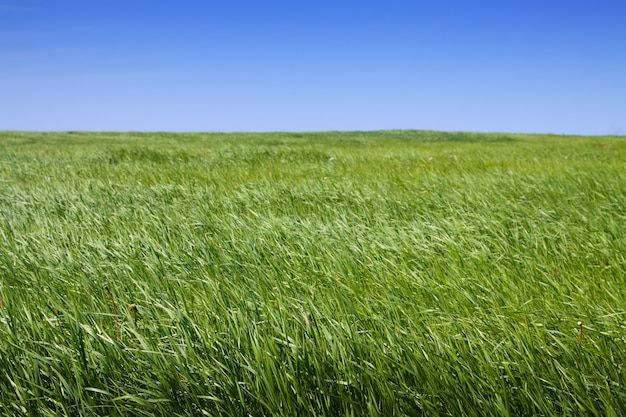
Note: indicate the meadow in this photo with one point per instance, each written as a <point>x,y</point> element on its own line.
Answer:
<point>334,273</point>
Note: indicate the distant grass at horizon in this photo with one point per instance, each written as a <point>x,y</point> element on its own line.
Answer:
<point>324,273</point>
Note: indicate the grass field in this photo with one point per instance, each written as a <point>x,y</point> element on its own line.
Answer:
<point>363,273</point>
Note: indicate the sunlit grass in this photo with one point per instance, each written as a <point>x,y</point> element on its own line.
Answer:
<point>415,273</point>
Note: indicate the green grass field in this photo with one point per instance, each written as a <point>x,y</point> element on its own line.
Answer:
<point>362,273</point>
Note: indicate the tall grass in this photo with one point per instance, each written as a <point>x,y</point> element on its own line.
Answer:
<point>378,273</point>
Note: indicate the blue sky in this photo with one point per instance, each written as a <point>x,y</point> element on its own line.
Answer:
<point>535,66</point>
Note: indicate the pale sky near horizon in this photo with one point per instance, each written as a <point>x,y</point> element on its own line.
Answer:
<point>530,66</point>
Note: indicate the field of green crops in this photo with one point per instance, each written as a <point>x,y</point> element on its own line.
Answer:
<point>362,273</point>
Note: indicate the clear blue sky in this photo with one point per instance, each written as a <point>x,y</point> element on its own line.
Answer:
<point>550,66</point>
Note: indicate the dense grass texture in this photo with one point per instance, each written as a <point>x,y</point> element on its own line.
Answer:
<point>340,273</point>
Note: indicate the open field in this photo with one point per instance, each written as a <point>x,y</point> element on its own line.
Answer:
<point>380,273</point>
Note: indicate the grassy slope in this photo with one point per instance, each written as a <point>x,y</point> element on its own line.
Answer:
<point>337,273</point>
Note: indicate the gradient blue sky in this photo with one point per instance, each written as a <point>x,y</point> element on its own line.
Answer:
<point>536,66</point>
